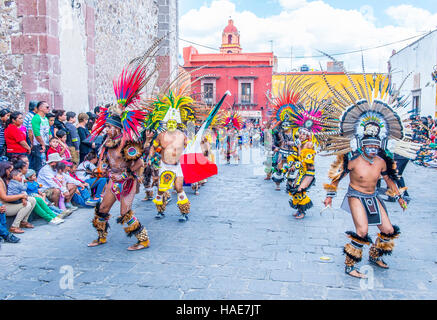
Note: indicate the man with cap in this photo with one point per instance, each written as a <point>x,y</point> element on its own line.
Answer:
<point>46,178</point>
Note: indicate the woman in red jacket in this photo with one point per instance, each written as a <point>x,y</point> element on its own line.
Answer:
<point>15,138</point>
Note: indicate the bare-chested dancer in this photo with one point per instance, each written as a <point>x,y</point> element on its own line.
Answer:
<point>170,144</point>
<point>122,186</point>
<point>366,207</point>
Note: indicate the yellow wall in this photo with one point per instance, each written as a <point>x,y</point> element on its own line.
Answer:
<point>335,80</point>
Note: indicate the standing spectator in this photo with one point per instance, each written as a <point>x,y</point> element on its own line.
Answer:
<point>51,118</point>
<point>4,117</point>
<point>73,143</point>
<point>27,122</point>
<point>41,132</point>
<point>85,146</point>
<point>19,210</point>
<point>91,120</point>
<point>15,138</point>
<point>97,111</point>
<point>60,118</point>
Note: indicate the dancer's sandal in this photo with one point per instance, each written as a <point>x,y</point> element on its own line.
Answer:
<point>353,272</point>
<point>139,245</point>
<point>300,215</point>
<point>97,242</point>
<point>159,215</point>
<point>378,262</point>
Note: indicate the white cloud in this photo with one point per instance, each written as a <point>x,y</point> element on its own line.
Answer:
<point>292,4</point>
<point>306,26</point>
<point>407,15</point>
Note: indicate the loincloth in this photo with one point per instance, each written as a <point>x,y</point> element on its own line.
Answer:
<point>369,202</point>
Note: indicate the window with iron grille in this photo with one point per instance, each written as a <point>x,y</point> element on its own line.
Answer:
<point>208,93</point>
<point>246,92</point>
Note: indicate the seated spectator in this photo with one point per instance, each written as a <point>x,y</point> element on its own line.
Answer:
<point>19,210</point>
<point>4,232</point>
<point>16,187</point>
<point>46,177</point>
<point>4,117</point>
<point>15,138</point>
<point>86,171</point>
<point>72,137</point>
<point>85,146</point>
<point>33,189</point>
<point>82,198</point>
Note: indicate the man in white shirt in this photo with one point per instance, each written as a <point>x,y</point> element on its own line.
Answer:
<point>46,178</point>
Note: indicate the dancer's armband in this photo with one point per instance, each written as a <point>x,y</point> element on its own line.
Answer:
<point>331,194</point>
<point>331,190</point>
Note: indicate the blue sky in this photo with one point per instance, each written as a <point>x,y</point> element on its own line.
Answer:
<point>265,8</point>
<point>333,26</point>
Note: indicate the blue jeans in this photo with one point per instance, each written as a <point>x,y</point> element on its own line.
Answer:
<point>80,200</point>
<point>99,185</point>
<point>3,227</point>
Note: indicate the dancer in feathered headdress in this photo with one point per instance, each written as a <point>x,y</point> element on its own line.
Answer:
<point>122,124</point>
<point>172,109</point>
<point>371,129</point>
<point>232,123</point>
<point>299,119</point>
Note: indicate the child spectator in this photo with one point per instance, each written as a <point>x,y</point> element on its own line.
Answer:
<point>33,190</point>
<point>59,179</point>
<point>72,137</point>
<point>86,172</point>
<point>83,193</point>
<point>16,187</point>
<point>58,146</point>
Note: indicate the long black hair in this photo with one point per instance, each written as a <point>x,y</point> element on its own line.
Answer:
<point>14,115</point>
<point>4,166</point>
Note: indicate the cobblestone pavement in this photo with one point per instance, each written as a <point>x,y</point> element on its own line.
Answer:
<point>241,242</point>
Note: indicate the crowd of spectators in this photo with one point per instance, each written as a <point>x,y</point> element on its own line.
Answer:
<point>425,133</point>
<point>47,166</point>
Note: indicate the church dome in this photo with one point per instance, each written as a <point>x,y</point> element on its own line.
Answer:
<point>230,27</point>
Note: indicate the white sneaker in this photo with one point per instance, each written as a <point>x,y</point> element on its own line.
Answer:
<point>71,207</point>
<point>65,213</point>
<point>56,221</point>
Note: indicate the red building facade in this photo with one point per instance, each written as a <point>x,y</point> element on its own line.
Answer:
<point>248,76</point>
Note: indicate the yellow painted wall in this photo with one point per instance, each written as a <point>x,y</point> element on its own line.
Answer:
<point>335,80</point>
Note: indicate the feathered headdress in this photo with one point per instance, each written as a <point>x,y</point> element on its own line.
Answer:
<point>232,119</point>
<point>176,105</point>
<point>298,108</point>
<point>369,114</point>
<point>128,87</point>
<point>372,113</point>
